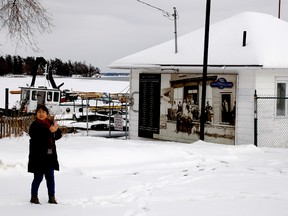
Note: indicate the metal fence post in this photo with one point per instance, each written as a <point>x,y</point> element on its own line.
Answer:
<point>255,119</point>
<point>6,101</point>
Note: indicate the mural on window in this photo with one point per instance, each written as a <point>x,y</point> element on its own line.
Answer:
<point>181,105</point>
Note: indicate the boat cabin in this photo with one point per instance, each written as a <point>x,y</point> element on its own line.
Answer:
<point>32,96</point>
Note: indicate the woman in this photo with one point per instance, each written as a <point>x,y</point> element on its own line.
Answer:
<point>42,153</point>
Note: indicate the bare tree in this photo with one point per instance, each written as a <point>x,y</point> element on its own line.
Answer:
<point>22,19</point>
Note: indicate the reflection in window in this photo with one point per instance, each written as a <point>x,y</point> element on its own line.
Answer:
<point>26,95</point>
<point>34,95</point>
<point>49,96</point>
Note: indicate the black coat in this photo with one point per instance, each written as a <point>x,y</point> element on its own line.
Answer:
<point>40,138</point>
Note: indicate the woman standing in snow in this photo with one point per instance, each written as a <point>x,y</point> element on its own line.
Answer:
<point>42,153</point>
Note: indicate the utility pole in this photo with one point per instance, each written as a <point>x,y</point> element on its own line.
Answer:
<point>168,15</point>
<point>205,66</point>
<point>175,28</point>
<point>279,9</point>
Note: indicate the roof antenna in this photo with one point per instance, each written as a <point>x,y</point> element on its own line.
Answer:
<point>168,15</point>
<point>244,38</point>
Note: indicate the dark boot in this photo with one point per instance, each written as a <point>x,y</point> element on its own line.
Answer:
<point>34,200</point>
<point>52,200</point>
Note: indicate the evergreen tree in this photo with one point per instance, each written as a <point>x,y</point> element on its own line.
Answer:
<point>17,65</point>
<point>3,66</point>
<point>29,63</point>
<point>9,64</point>
<point>31,66</point>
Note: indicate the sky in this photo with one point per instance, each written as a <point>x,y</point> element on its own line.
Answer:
<point>100,32</point>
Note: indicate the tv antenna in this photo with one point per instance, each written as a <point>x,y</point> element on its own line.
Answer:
<point>170,16</point>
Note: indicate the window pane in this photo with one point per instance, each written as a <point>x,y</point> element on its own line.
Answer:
<point>34,95</point>
<point>56,97</point>
<point>26,95</point>
<point>49,96</point>
<point>281,92</point>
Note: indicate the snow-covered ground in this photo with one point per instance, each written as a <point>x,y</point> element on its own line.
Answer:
<point>118,177</point>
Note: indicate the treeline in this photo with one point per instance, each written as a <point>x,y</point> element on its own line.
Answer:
<point>17,65</point>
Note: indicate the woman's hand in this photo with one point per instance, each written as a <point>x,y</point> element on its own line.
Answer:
<point>53,128</point>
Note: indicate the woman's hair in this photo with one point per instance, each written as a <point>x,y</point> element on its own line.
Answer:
<point>42,107</point>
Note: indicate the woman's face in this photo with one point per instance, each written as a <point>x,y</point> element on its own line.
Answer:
<point>41,114</point>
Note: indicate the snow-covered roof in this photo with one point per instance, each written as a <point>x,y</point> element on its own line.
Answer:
<point>266,45</point>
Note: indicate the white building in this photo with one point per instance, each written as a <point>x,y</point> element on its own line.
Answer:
<point>247,52</point>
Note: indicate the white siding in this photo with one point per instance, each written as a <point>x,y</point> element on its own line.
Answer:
<point>265,81</point>
<point>245,107</point>
<point>133,114</point>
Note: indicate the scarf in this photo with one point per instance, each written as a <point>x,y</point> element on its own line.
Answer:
<point>47,124</point>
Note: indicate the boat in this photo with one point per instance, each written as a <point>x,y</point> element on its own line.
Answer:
<point>57,101</point>
<point>70,107</point>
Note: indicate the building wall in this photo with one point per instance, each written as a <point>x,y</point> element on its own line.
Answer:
<point>268,122</point>
<point>244,126</point>
<point>265,81</point>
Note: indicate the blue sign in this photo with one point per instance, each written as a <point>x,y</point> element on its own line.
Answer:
<point>221,83</point>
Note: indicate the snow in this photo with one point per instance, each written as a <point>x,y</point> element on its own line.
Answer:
<point>266,45</point>
<point>119,177</point>
<point>100,176</point>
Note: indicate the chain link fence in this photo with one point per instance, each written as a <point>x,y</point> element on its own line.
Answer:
<point>271,121</point>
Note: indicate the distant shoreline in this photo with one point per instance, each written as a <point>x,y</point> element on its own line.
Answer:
<point>105,76</point>
<point>116,78</point>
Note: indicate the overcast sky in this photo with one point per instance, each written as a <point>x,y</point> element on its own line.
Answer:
<point>102,31</point>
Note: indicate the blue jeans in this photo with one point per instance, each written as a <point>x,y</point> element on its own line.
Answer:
<point>50,182</point>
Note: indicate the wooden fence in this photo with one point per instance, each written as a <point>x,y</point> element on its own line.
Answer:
<point>14,126</point>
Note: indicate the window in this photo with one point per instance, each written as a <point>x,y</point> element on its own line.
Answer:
<point>226,107</point>
<point>191,94</point>
<point>34,95</point>
<point>56,97</point>
<point>26,95</point>
<point>41,97</point>
<point>281,101</point>
<point>281,92</point>
<point>49,96</point>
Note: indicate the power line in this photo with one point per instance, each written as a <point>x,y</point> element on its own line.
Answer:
<point>165,13</point>
<point>170,16</point>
